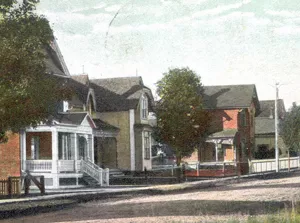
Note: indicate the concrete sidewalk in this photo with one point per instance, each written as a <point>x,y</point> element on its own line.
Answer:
<point>59,199</point>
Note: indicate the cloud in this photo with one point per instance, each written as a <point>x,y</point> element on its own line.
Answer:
<point>113,8</point>
<point>288,30</point>
<point>283,13</point>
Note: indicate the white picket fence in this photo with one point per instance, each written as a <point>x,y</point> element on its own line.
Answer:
<point>267,165</point>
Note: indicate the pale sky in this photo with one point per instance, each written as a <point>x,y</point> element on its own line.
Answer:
<point>224,41</point>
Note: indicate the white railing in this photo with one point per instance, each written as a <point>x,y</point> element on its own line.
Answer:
<point>258,166</point>
<point>99,174</point>
<point>39,165</point>
<point>66,165</point>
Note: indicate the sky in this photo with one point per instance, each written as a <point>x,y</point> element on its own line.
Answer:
<point>224,41</point>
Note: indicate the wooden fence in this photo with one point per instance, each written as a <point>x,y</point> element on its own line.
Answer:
<point>10,187</point>
<point>267,165</point>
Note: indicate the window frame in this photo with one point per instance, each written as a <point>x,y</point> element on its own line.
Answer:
<point>147,145</point>
<point>144,107</point>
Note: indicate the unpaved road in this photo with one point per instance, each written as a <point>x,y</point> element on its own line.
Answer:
<point>255,197</point>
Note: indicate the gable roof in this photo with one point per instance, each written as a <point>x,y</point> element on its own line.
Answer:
<point>230,96</point>
<point>119,94</point>
<point>264,125</point>
<point>71,118</point>
<point>267,108</point>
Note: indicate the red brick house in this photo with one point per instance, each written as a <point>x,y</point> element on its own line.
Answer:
<point>233,109</point>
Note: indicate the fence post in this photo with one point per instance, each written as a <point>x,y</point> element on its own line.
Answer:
<point>172,170</point>
<point>9,186</point>
<point>198,167</point>
<point>224,168</point>
<point>26,185</point>
<point>42,184</point>
<point>107,176</point>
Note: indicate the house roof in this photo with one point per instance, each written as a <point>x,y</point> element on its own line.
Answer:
<point>80,89</point>
<point>104,125</point>
<point>54,61</point>
<point>230,96</point>
<point>226,133</point>
<point>71,118</point>
<point>119,94</point>
<point>264,125</point>
<point>267,108</point>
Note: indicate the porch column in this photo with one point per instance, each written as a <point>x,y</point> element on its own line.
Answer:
<point>87,147</point>
<point>93,154</point>
<point>23,149</point>
<point>55,158</point>
<point>76,151</point>
<point>216,148</point>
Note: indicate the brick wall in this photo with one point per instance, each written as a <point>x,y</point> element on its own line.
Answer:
<point>45,151</point>
<point>10,159</point>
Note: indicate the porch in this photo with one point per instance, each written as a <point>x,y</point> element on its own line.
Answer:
<point>62,152</point>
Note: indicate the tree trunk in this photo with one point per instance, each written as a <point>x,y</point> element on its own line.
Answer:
<point>178,169</point>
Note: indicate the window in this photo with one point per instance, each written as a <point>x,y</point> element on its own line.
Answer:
<point>147,145</point>
<point>144,107</point>
<point>35,147</point>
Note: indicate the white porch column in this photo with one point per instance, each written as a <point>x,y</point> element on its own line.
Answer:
<point>23,149</point>
<point>75,151</point>
<point>132,140</point>
<point>87,152</point>
<point>55,158</point>
<point>93,155</point>
<point>216,148</point>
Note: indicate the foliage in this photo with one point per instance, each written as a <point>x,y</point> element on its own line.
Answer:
<point>27,91</point>
<point>290,128</point>
<point>181,120</point>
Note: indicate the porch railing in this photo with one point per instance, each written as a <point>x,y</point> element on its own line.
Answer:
<point>39,165</point>
<point>99,174</point>
<point>66,165</point>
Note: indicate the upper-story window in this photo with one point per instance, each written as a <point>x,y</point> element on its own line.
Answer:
<point>144,107</point>
<point>243,118</point>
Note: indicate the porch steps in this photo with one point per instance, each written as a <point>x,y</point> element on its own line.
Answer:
<point>116,173</point>
<point>90,181</point>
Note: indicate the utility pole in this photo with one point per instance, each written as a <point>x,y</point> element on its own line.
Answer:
<point>276,129</point>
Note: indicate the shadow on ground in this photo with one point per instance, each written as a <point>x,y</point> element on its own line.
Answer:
<point>111,210</point>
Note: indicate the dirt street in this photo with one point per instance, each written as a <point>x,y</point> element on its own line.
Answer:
<point>255,197</point>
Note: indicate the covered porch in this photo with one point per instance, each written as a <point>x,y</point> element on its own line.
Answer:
<point>219,147</point>
<point>58,151</point>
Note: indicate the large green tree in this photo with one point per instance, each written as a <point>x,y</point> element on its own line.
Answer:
<point>27,91</point>
<point>182,123</point>
<point>290,128</point>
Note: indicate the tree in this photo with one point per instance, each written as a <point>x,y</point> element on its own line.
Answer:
<point>27,91</point>
<point>290,128</point>
<point>181,120</point>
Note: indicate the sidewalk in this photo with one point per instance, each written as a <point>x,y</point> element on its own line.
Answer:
<point>59,199</point>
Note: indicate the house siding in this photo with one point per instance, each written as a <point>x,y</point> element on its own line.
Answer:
<point>120,120</point>
<point>10,159</point>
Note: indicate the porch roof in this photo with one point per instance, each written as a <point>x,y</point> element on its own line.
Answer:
<point>104,125</point>
<point>71,118</point>
<point>226,133</point>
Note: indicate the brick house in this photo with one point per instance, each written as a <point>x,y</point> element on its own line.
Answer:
<point>233,109</point>
<point>265,130</point>
<point>125,103</point>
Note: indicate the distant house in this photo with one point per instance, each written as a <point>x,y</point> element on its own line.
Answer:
<point>233,109</point>
<point>265,130</point>
<point>125,103</point>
